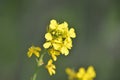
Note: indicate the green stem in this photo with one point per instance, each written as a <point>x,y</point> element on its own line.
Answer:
<point>39,63</point>
<point>35,74</point>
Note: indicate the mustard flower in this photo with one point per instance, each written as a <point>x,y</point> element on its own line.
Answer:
<point>82,74</point>
<point>51,67</point>
<point>67,44</point>
<point>89,74</point>
<point>34,50</point>
<point>59,38</point>
<point>54,53</point>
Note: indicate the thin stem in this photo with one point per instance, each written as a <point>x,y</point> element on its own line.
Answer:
<point>39,63</point>
<point>35,74</point>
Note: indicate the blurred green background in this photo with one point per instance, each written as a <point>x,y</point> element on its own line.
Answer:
<point>97,24</point>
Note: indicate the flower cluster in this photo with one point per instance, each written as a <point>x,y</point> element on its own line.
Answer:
<point>82,74</point>
<point>58,41</point>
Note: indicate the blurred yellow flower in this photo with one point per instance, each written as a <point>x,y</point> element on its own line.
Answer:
<point>89,74</point>
<point>82,74</point>
<point>34,50</point>
<point>51,67</point>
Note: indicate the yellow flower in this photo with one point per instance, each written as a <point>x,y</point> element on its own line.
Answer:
<point>67,44</point>
<point>82,74</point>
<point>64,50</point>
<point>34,50</point>
<point>63,28</point>
<point>54,54</point>
<point>59,38</point>
<point>51,67</point>
<point>89,74</point>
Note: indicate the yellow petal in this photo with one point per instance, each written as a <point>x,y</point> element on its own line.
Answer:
<point>54,57</point>
<point>91,71</point>
<point>54,54</point>
<point>68,43</point>
<point>34,50</point>
<point>53,71</point>
<point>72,33</point>
<point>48,36</point>
<point>50,72</point>
<point>50,62</point>
<point>47,45</point>
<point>56,46</point>
<point>82,70</point>
<point>65,25</point>
<point>37,53</point>
<point>53,24</point>
<point>64,51</point>
<point>81,73</point>
<point>29,54</point>
<point>38,48</point>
